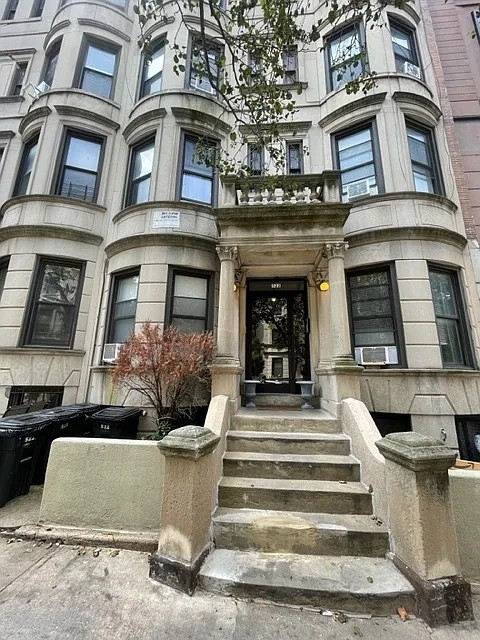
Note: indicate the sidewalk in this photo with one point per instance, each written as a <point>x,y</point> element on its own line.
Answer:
<point>76,593</point>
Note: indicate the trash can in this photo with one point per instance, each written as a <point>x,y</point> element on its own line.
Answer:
<point>85,423</point>
<point>21,441</point>
<point>63,422</point>
<point>116,422</point>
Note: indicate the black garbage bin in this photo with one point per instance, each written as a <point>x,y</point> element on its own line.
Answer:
<point>85,423</point>
<point>64,422</point>
<point>116,422</point>
<point>21,442</point>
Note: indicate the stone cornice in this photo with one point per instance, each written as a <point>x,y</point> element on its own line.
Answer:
<point>80,93</point>
<point>300,127</point>
<point>189,116</point>
<point>415,99</point>
<point>350,107</point>
<point>159,24</point>
<point>326,214</point>
<point>49,231</point>
<point>30,351</point>
<point>173,239</point>
<point>195,20</point>
<point>31,116</point>
<point>420,373</point>
<point>41,197</point>
<point>85,114</point>
<point>389,234</point>
<point>143,118</point>
<point>162,204</point>
<point>432,198</point>
<point>8,53</point>
<point>89,22</point>
<point>63,24</point>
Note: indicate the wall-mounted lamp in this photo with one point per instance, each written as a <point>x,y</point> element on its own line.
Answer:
<point>324,285</point>
<point>235,287</point>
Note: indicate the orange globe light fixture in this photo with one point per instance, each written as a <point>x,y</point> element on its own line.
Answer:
<point>324,286</point>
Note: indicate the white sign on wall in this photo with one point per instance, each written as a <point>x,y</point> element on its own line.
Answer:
<point>164,219</point>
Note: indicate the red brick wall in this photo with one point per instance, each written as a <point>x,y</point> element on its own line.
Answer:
<point>456,62</point>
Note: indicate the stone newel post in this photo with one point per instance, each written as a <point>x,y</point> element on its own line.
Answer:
<point>422,525</point>
<point>186,507</point>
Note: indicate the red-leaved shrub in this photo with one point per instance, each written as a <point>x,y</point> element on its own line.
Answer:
<point>167,367</point>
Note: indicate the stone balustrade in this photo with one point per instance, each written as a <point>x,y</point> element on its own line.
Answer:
<point>310,188</point>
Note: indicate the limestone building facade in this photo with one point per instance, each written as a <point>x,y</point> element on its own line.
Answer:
<point>106,220</point>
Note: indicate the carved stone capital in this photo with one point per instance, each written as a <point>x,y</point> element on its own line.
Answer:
<point>227,253</point>
<point>240,277</point>
<point>335,250</point>
<point>316,276</point>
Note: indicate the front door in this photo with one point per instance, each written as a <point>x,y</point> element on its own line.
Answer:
<point>277,335</point>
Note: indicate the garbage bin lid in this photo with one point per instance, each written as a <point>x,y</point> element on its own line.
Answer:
<point>113,414</point>
<point>61,412</point>
<point>18,425</point>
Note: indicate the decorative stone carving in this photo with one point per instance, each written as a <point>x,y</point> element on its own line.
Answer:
<point>240,277</point>
<point>316,276</point>
<point>335,250</point>
<point>227,253</point>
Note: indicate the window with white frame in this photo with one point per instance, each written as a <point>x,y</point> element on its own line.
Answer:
<point>204,67</point>
<point>346,55</point>
<point>197,180</point>
<point>123,306</point>
<point>152,69</point>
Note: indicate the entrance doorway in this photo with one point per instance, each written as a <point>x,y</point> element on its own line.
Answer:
<point>277,335</point>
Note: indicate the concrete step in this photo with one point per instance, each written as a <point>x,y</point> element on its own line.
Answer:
<point>338,583</point>
<point>314,421</point>
<point>278,400</point>
<point>298,443</point>
<point>309,496</point>
<point>245,464</point>
<point>294,532</point>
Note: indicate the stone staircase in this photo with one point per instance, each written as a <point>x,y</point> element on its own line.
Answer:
<point>294,523</point>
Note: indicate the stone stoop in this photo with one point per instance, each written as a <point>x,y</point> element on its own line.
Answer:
<point>294,524</point>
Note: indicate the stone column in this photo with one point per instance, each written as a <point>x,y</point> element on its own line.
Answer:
<point>342,352</point>
<point>227,345</point>
<point>187,504</point>
<point>422,527</point>
<point>226,368</point>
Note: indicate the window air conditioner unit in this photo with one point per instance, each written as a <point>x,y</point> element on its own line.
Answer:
<point>111,351</point>
<point>376,355</point>
<point>358,189</point>
<point>411,69</point>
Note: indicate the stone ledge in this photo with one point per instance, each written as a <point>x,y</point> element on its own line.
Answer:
<point>423,373</point>
<point>172,239</point>
<point>31,351</point>
<point>417,452</point>
<point>130,540</point>
<point>190,442</point>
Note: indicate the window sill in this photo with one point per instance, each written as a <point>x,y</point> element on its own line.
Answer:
<point>42,351</point>
<point>424,373</point>
<point>4,99</point>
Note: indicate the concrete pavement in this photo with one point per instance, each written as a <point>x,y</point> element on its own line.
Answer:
<point>67,593</point>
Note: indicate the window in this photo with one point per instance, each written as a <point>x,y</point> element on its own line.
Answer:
<point>124,306</point>
<point>197,179</point>
<point>404,46</point>
<point>190,301</point>
<point>51,64</point>
<point>37,10</point>
<point>256,66</point>
<point>152,70</point>
<point>26,166</point>
<point>375,318</point>
<point>290,66</point>
<point>346,56</point>
<point>10,10</point>
<point>98,70</point>
<point>54,304</point>
<point>294,158</point>
<point>450,319</point>
<point>18,78</point>
<point>476,22</point>
<point>201,62</point>
<point>424,159</point>
<point>3,275</point>
<point>141,163</point>
<point>358,160</point>
<point>277,367</point>
<point>256,159</point>
<point>80,167</point>
<point>32,398</point>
